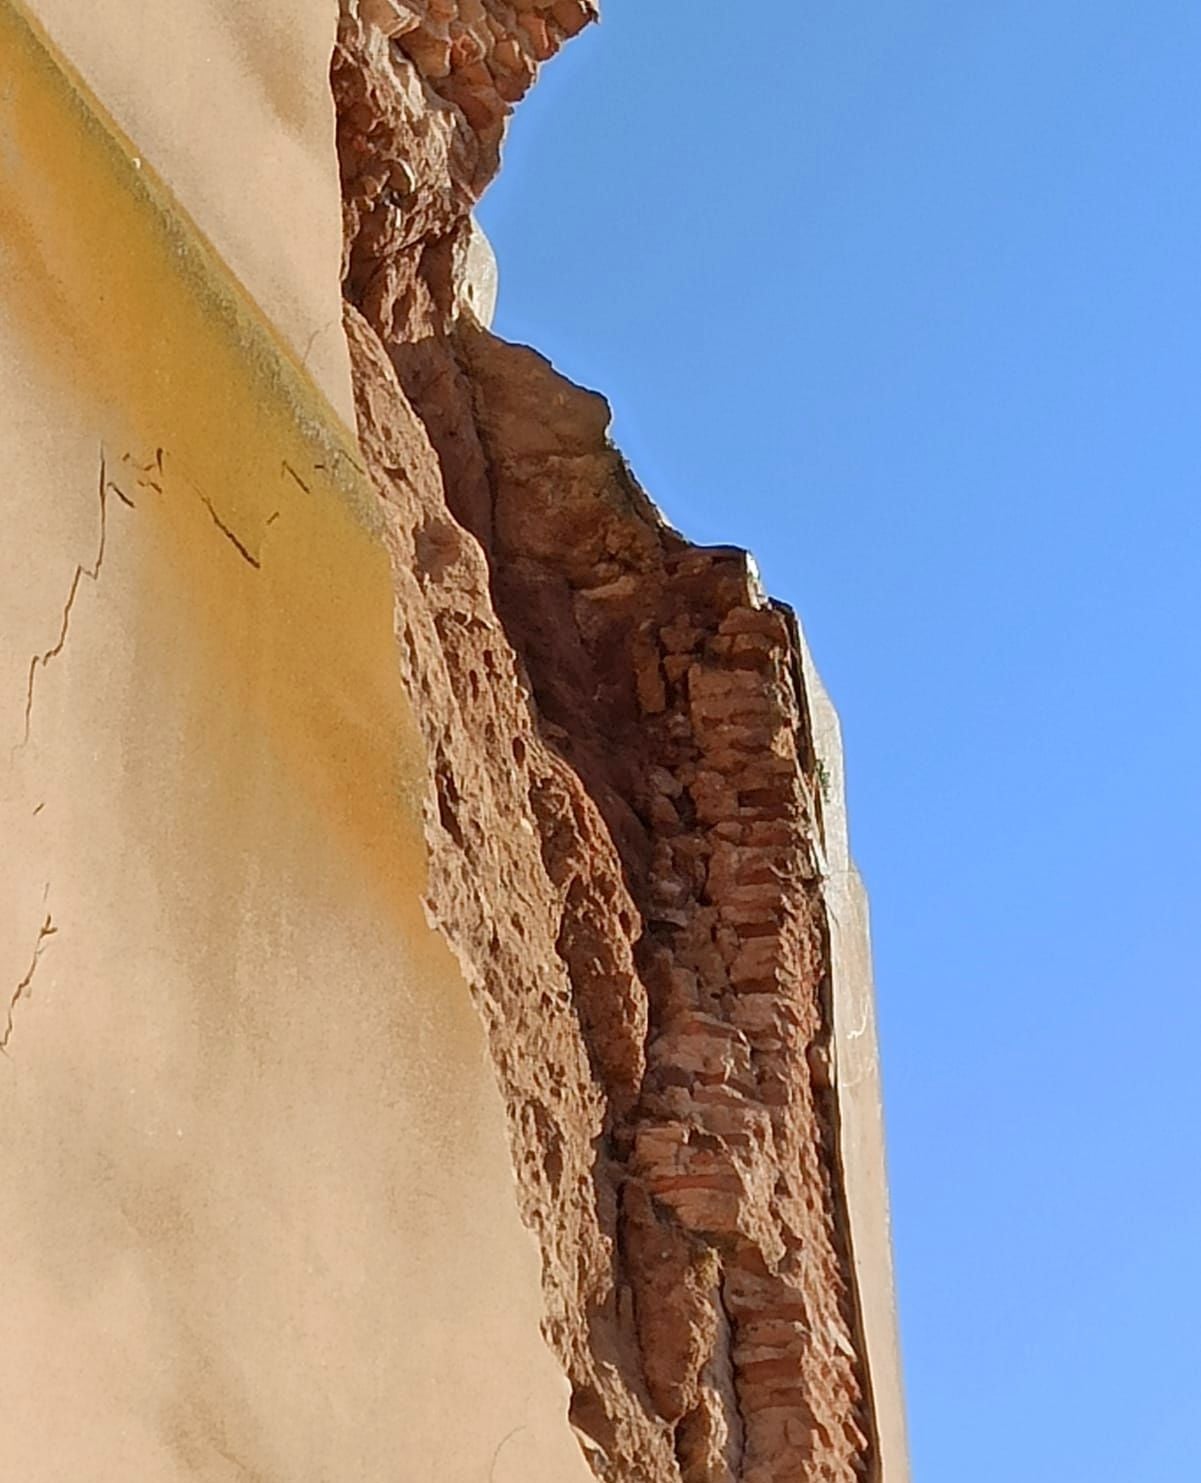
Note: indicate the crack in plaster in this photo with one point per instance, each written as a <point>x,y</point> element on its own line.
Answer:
<point>92,573</point>
<point>323,329</point>
<point>157,465</point>
<point>144,470</point>
<point>286,468</point>
<point>246,555</point>
<point>45,933</point>
<point>501,1445</point>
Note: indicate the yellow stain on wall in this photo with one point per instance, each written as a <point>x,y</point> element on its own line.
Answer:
<point>227,440</point>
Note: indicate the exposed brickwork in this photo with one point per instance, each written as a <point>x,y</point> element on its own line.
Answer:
<point>480,55</point>
<point>423,89</point>
<point>624,824</point>
<point>667,681</point>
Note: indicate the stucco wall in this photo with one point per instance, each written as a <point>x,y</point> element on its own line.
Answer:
<point>257,1211</point>
<point>857,1085</point>
<point>229,103</point>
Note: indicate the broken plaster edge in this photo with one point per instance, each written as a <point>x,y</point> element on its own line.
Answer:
<point>858,1089</point>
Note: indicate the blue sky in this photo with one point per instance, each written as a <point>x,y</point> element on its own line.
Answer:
<point>907,299</point>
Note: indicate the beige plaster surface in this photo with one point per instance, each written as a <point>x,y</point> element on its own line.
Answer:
<point>230,103</point>
<point>858,1088</point>
<point>257,1215</point>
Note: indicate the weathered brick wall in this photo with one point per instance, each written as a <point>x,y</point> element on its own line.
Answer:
<point>626,830</point>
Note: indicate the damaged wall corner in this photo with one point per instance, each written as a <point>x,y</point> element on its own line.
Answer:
<point>441,1016</point>
<point>717,1266</point>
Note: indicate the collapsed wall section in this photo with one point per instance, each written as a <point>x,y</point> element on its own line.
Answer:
<point>626,824</point>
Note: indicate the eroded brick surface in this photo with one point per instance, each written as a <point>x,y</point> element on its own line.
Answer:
<point>624,821</point>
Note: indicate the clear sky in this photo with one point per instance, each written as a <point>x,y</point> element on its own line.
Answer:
<point>907,299</point>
